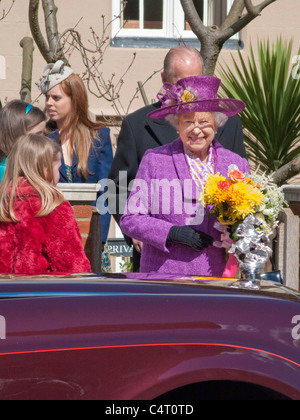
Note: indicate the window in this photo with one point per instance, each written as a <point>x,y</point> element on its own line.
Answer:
<point>164,19</point>
<point>143,14</point>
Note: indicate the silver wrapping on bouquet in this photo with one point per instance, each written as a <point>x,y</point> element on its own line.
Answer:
<point>251,251</point>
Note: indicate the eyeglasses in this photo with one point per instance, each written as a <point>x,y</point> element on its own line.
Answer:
<point>28,108</point>
<point>202,125</point>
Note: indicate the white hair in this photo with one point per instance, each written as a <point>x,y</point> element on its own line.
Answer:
<point>219,117</point>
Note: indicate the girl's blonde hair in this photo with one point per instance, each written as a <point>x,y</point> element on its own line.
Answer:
<point>78,126</point>
<point>32,158</point>
<point>16,119</point>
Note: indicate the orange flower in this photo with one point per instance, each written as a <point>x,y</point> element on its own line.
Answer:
<point>236,175</point>
<point>224,185</point>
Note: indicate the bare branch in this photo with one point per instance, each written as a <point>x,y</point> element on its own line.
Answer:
<point>193,18</point>
<point>92,56</point>
<point>36,30</point>
<point>234,14</point>
<point>250,8</point>
<point>252,13</point>
<point>212,38</point>
<point>286,172</point>
<point>4,13</point>
<point>50,11</point>
<point>51,50</point>
<point>256,10</point>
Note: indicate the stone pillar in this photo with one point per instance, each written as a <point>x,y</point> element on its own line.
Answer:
<point>81,198</point>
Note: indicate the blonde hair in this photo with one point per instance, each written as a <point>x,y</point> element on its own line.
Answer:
<point>16,119</point>
<point>32,158</point>
<point>78,126</point>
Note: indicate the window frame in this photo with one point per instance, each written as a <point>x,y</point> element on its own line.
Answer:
<point>173,22</point>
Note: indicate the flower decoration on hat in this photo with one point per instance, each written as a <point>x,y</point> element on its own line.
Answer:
<point>53,74</point>
<point>172,95</point>
<point>187,96</point>
<point>194,94</point>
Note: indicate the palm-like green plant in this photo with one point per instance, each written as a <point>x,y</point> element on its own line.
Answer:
<point>271,91</point>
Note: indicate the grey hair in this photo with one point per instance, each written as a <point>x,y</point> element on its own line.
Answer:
<point>219,117</point>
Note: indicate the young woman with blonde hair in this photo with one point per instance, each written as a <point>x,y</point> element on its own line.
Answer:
<point>86,146</point>
<point>38,230</point>
<point>16,119</point>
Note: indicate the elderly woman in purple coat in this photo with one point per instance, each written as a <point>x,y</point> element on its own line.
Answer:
<point>164,209</point>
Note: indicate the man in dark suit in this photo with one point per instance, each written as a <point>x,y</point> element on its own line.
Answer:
<point>140,133</point>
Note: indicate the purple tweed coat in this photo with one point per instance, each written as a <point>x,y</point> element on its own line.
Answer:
<point>164,195</point>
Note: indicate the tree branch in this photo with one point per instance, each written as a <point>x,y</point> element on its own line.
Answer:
<point>33,12</point>
<point>52,50</point>
<point>212,38</point>
<point>193,18</point>
<point>256,10</point>
<point>50,11</point>
<point>4,13</point>
<point>286,172</point>
<point>252,13</point>
<point>234,14</point>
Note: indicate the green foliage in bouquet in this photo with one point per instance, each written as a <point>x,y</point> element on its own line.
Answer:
<point>271,91</point>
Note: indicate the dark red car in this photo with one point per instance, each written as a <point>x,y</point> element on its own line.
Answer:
<point>114,338</point>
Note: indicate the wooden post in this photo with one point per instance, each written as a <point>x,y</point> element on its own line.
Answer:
<point>27,45</point>
<point>287,249</point>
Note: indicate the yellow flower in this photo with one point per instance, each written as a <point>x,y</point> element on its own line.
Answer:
<point>213,194</point>
<point>232,201</point>
<point>245,199</point>
<point>187,96</point>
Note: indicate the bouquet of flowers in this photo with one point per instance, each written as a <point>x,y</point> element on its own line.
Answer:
<point>241,195</point>
<point>249,205</point>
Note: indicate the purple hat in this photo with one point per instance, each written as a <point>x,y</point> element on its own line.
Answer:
<point>195,94</point>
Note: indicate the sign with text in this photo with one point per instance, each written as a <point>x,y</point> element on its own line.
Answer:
<point>119,248</point>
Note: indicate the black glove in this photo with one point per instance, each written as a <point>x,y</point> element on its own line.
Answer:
<point>191,237</point>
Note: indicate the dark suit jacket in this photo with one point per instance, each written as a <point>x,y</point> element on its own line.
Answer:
<point>140,133</point>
